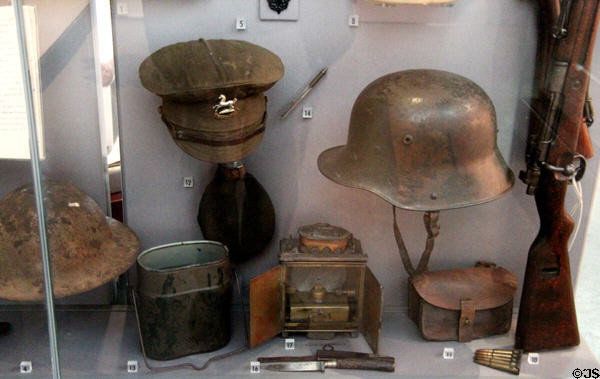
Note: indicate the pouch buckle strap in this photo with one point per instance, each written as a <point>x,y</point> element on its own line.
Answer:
<point>430,219</point>
<point>466,321</point>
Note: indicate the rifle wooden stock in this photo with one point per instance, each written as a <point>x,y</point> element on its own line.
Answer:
<point>547,318</point>
<point>557,136</point>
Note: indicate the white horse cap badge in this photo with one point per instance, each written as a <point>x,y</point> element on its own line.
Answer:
<point>224,107</point>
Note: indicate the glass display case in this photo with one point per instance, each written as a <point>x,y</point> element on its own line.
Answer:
<point>162,123</point>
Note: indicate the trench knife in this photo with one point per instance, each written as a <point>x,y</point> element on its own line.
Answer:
<point>345,363</point>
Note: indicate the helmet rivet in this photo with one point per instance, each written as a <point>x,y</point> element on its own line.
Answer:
<point>433,196</point>
<point>407,139</point>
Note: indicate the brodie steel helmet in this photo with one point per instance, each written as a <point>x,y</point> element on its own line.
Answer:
<point>423,140</point>
<point>87,249</point>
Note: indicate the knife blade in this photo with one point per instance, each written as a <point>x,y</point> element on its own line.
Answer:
<point>298,366</point>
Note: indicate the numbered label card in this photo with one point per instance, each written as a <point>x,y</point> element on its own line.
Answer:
<point>448,353</point>
<point>254,367</point>
<point>240,23</point>
<point>353,20</point>
<point>188,181</point>
<point>307,112</point>
<point>26,367</point>
<point>533,358</point>
<point>290,344</point>
<point>132,367</point>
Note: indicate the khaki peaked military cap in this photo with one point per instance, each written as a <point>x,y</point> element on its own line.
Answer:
<point>87,249</point>
<point>202,70</point>
<point>212,90</point>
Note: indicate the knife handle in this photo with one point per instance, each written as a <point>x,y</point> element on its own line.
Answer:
<point>363,364</point>
<point>326,355</point>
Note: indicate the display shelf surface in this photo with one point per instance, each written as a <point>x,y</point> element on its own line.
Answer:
<point>99,341</point>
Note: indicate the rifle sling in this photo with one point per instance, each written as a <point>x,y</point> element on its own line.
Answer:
<point>430,220</point>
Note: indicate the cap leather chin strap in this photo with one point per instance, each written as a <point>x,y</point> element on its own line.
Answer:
<point>433,230</point>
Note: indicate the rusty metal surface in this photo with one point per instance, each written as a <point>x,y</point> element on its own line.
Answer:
<point>87,249</point>
<point>422,140</point>
<point>184,298</point>
<point>323,236</point>
<point>321,242</point>
<point>265,306</point>
<point>201,70</point>
<point>322,231</point>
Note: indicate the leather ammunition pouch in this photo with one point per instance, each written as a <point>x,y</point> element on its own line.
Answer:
<point>460,304</point>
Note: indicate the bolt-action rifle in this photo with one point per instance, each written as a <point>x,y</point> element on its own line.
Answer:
<point>558,146</point>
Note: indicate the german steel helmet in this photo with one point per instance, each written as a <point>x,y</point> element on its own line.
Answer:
<point>212,91</point>
<point>87,249</point>
<point>423,140</point>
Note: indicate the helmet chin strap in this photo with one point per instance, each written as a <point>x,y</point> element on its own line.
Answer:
<point>430,220</point>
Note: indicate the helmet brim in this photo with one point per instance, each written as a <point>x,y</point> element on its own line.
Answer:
<point>115,256</point>
<point>481,181</point>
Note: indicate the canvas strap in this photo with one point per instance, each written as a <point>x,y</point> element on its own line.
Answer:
<point>433,230</point>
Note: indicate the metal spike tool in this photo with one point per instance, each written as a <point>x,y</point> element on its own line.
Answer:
<point>500,359</point>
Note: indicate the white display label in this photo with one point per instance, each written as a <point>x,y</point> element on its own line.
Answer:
<point>307,112</point>
<point>353,20</point>
<point>240,23</point>
<point>122,9</point>
<point>26,367</point>
<point>188,181</point>
<point>254,367</point>
<point>533,358</point>
<point>132,366</point>
<point>448,353</point>
<point>290,344</point>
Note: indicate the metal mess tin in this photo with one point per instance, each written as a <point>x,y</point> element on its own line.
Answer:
<point>184,293</point>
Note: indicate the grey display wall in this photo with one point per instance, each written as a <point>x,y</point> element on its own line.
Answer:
<point>69,105</point>
<point>489,41</point>
<point>69,109</point>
